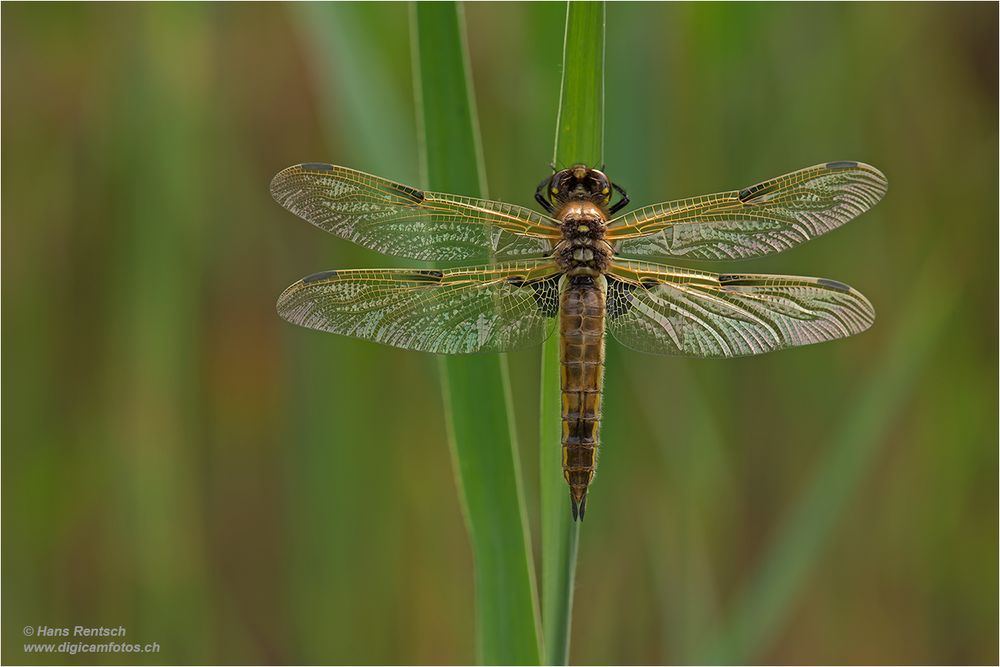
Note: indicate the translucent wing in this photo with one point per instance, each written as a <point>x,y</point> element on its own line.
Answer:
<point>765,218</point>
<point>665,310</point>
<point>449,311</point>
<point>395,219</point>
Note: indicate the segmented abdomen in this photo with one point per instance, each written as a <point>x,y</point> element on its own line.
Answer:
<point>581,325</point>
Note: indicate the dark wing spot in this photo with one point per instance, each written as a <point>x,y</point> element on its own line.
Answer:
<point>844,164</point>
<point>748,195</point>
<point>516,281</point>
<point>316,166</point>
<point>727,280</point>
<point>546,295</point>
<point>833,284</point>
<point>316,277</point>
<point>429,276</point>
<point>650,283</point>
<point>412,194</point>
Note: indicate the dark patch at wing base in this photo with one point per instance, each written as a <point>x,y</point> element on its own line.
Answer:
<point>546,295</point>
<point>544,291</point>
<point>618,301</point>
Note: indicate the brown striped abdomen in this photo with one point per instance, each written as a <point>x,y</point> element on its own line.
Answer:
<point>581,356</point>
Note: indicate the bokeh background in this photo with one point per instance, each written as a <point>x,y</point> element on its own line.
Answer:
<point>178,460</point>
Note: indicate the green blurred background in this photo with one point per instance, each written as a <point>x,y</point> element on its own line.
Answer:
<point>178,460</point>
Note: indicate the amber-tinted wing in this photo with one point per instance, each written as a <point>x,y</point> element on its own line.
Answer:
<point>765,218</point>
<point>396,219</point>
<point>449,311</point>
<point>665,310</point>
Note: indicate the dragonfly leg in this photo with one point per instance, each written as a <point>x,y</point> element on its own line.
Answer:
<point>621,203</point>
<point>542,199</point>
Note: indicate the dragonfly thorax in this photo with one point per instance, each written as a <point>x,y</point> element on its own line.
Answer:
<point>583,225</point>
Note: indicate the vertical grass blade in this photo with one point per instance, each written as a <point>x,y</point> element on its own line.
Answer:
<point>580,123</point>
<point>579,138</point>
<point>476,387</point>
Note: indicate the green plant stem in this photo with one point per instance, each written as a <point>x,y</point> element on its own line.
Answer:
<point>476,388</point>
<point>579,138</point>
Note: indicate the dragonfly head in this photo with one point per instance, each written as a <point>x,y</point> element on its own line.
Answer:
<point>579,183</point>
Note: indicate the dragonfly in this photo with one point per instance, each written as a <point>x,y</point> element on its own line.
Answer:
<point>581,267</point>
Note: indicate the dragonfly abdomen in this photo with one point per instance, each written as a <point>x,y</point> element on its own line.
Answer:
<point>581,328</point>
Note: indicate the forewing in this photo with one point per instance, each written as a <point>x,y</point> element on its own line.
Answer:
<point>759,220</point>
<point>398,220</point>
<point>449,311</point>
<point>665,310</point>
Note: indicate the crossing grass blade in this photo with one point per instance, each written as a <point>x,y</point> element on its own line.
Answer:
<point>766,601</point>
<point>477,392</point>
<point>579,138</point>
<point>371,128</point>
